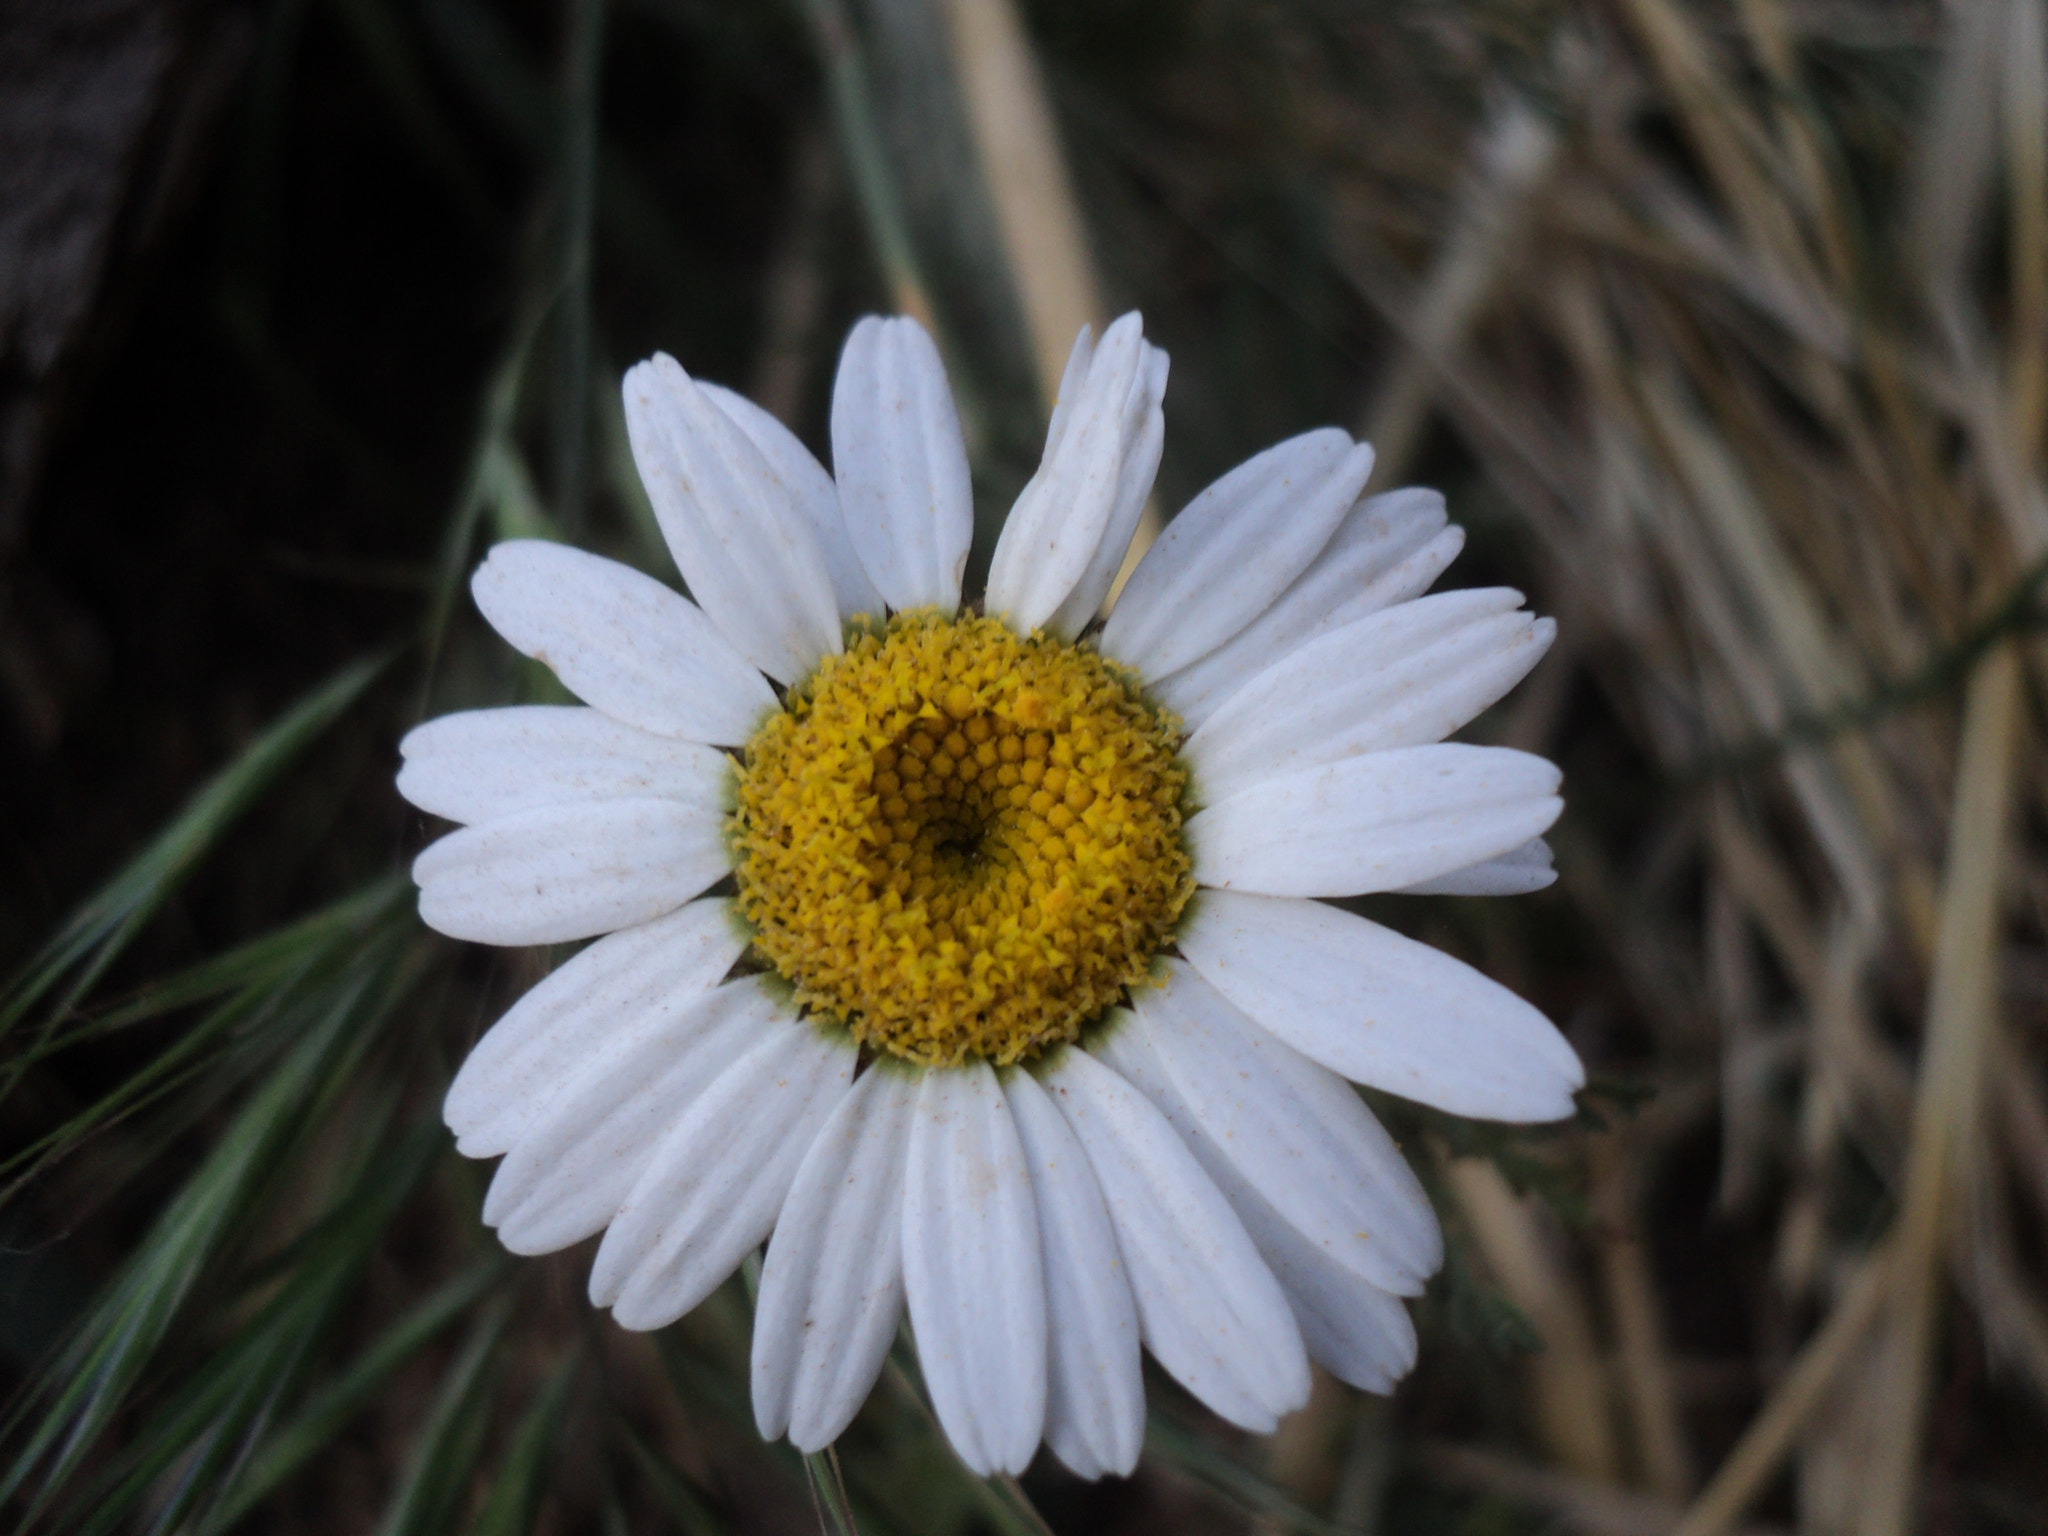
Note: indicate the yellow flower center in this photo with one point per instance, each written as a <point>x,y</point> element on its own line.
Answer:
<point>962,843</point>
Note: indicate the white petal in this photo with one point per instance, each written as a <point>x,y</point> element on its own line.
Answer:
<point>1375,822</point>
<point>568,1175</point>
<point>1291,1130</point>
<point>1100,449</point>
<point>485,763</point>
<point>1134,487</point>
<point>562,872</point>
<point>1356,1331</point>
<point>816,496</point>
<point>711,1191</point>
<point>971,1269</point>
<point>621,641</point>
<point>832,1285</point>
<point>1382,555</point>
<point>738,531</point>
<point>1403,677</point>
<point>1515,873</point>
<point>901,465</point>
<point>1381,1009</point>
<point>1095,1387</point>
<point>1234,549</point>
<point>1071,379</point>
<point>520,1065</point>
<point>1208,1308</point>
<point>1348,1324</point>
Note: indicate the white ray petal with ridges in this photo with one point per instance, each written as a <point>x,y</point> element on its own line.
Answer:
<point>1095,1387</point>
<point>561,872</point>
<point>1208,1308</point>
<point>1100,457</point>
<point>1234,549</point>
<point>621,641</point>
<point>740,535</point>
<point>1134,488</point>
<point>520,1065</point>
<point>711,1191</point>
<point>1350,1327</point>
<point>1403,677</point>
<point>483,763</point>
<point>901,465</point>
<point>832,1284</point>
<point>1381,1009</point>
<point>1515,873</point>
<point>1079,358</point>
<point>795,466</point>
<point>569,1174</point>
<point>1294,1131</point>
<point>971,1269</point>
<point>1368,565</point>
<point>1349,1324</point>
<point>1376,822</point>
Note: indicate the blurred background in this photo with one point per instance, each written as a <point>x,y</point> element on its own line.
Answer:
<point>1724,326</point>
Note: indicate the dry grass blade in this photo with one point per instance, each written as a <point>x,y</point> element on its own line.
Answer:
<point>1800,516</point>
<point>1515,155</point>
<point>1575,1503</point>
<point>2025,98</point>
<point>1948,1113</point>
<point>1771,1435</point>
<point>1568,1387</point>
<point>1045,236</point>
<point>1654,1420</point>
<point>1026,171</point>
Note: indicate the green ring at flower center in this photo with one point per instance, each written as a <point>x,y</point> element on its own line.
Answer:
<point>962,843</point>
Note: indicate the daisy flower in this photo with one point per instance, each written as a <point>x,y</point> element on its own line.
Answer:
<point>1016,1005</point>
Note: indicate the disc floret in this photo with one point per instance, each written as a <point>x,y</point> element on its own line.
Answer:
<point>960,842</point>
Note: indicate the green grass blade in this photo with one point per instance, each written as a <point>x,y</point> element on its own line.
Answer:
<point>576,202</point>
<point>224,1046</point>
<point>277,977</point>
<point>452,1438</point>
<point>268,958</point>
<point>328,1411</point>
<point>214,1419</point>
<point>861,140</point>
<point>522,1470</point>
<point>100,929</point>
<point>1255,1495</point>
<point>161,1075</point>
<point>828,1493</point>
<point>90,1380</point>
<point>684,1505</point>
